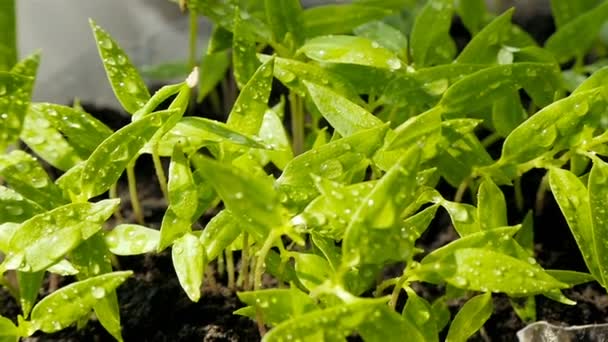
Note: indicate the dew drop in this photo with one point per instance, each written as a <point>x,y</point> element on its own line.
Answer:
<point>437,87</point>
<point>3,90</point>
<point>238,195</point>
<point>121,59</point>
<point>460,281</point>
<point>98,292</point>
<point>106,43</point>
<point>394,63</point>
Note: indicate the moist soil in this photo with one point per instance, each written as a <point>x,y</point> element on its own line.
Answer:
<point>153,307</point>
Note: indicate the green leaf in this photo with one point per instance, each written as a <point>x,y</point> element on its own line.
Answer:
<point>27,177</point>
<point>508,113</point>
<point>571,278</point>
<point>350,50</point>
<point>275,305</point>
<point>491,207</point>
<point>193,133</point>
<point>213,70</point>
<point>83,131</point>
<point>460,151</point>
<point>29,285</point>
<point>482,88</point>
<point>8,37</point>
<point>15,94</point>
<point>370,317</point>
<point>285,17</point>
<point>311,269</point>
<point>553,125</point>
<point>189,261</point>
<point>219,233</point>
<point>419,312</point>
<point>332,161</point>
<point>47,142</point>
<point>183,200</point>
<point>223,13</point>
<point>439,12</point>
<point>248,111</point>
<point>565,11</point>
<point>574,202</point>
<point>598,197</point>
<point>274,135</point>
<point>108,161</point>
<point>574,38</point>
<point>471,317</point>
<point>293,73</point>
<point>132,239</point>
<point>485,270</point>
<point>45,238</point>
<point>244,52</point>
<point>248,196</point>
<point>92,258</point>
<point>68,304</point>
<point>128,86</point>
<point>386,36</point>
<point>7,230</point>
<point>339,18</point>
<point>423,129</point>
<point>485,45</point>
<point>472,13</point>
<point>16,208</point>
<point>346,117</point>
<point>329,214</point>
<point>366,240</point>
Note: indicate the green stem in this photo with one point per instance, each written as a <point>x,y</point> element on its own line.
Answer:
<point>132,180</point>
<point>245,261</point>
<point>461,189</point>
<point>491,139</point>
<point>540,194</point>
<point>114,194</point>
<point>297,123</point>
<point>384,285</point>
<point>396,291</point>
<point>220,264</point>
<point>261,257</point>
<point>230,269</point>
<point>160,172</point>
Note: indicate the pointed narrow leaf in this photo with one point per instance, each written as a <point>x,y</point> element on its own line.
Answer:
<point>130,89</point>
<point>470,318</point>
<point>345,116</point>
<point>108,161</point>
<point>275,305</point>
<point>484,270</point>
<point>491,207</point>
<point>248,112</point>
<point>439,12</point>
<point>285,17</point>
<point>219,233</point>
<point>47,142</point>
<point>419,312</point>
<point>65,306</point>
<point>472,13</point>
<point>332,161</point>
<point>189,261</point>
<point>16,208</point>
<point>339,18</point>
<point>311,269</point>
<point>244,51</point>
<point>350,50</point>
<point>83,130</point>
<point>484,46</point>
<point>27,177</point>
<point>131,239</point>
<point>247,196</point>
<point>42,240</point>
<point>15,96</point>
<point>29,285</point>
<point>8,43</point>
<point>386,36</point>
<point>576,37</point>
<point>564,11</point>
<point>214,66</point>
<point>598,200</point>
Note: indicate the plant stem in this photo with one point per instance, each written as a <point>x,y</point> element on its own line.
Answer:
<point>160,172</point>
<point>461,189</point>
<point>114,194</point>
<point>261,257</point>
<point>396,291</point>
<point>384,285</point>
<point>490,139</point>
<point>137,212</point>
<point>220,264</point>
<point>230,269</point>
<point>245,261</point>
<point>540,194</point>
<point>297,123</point>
